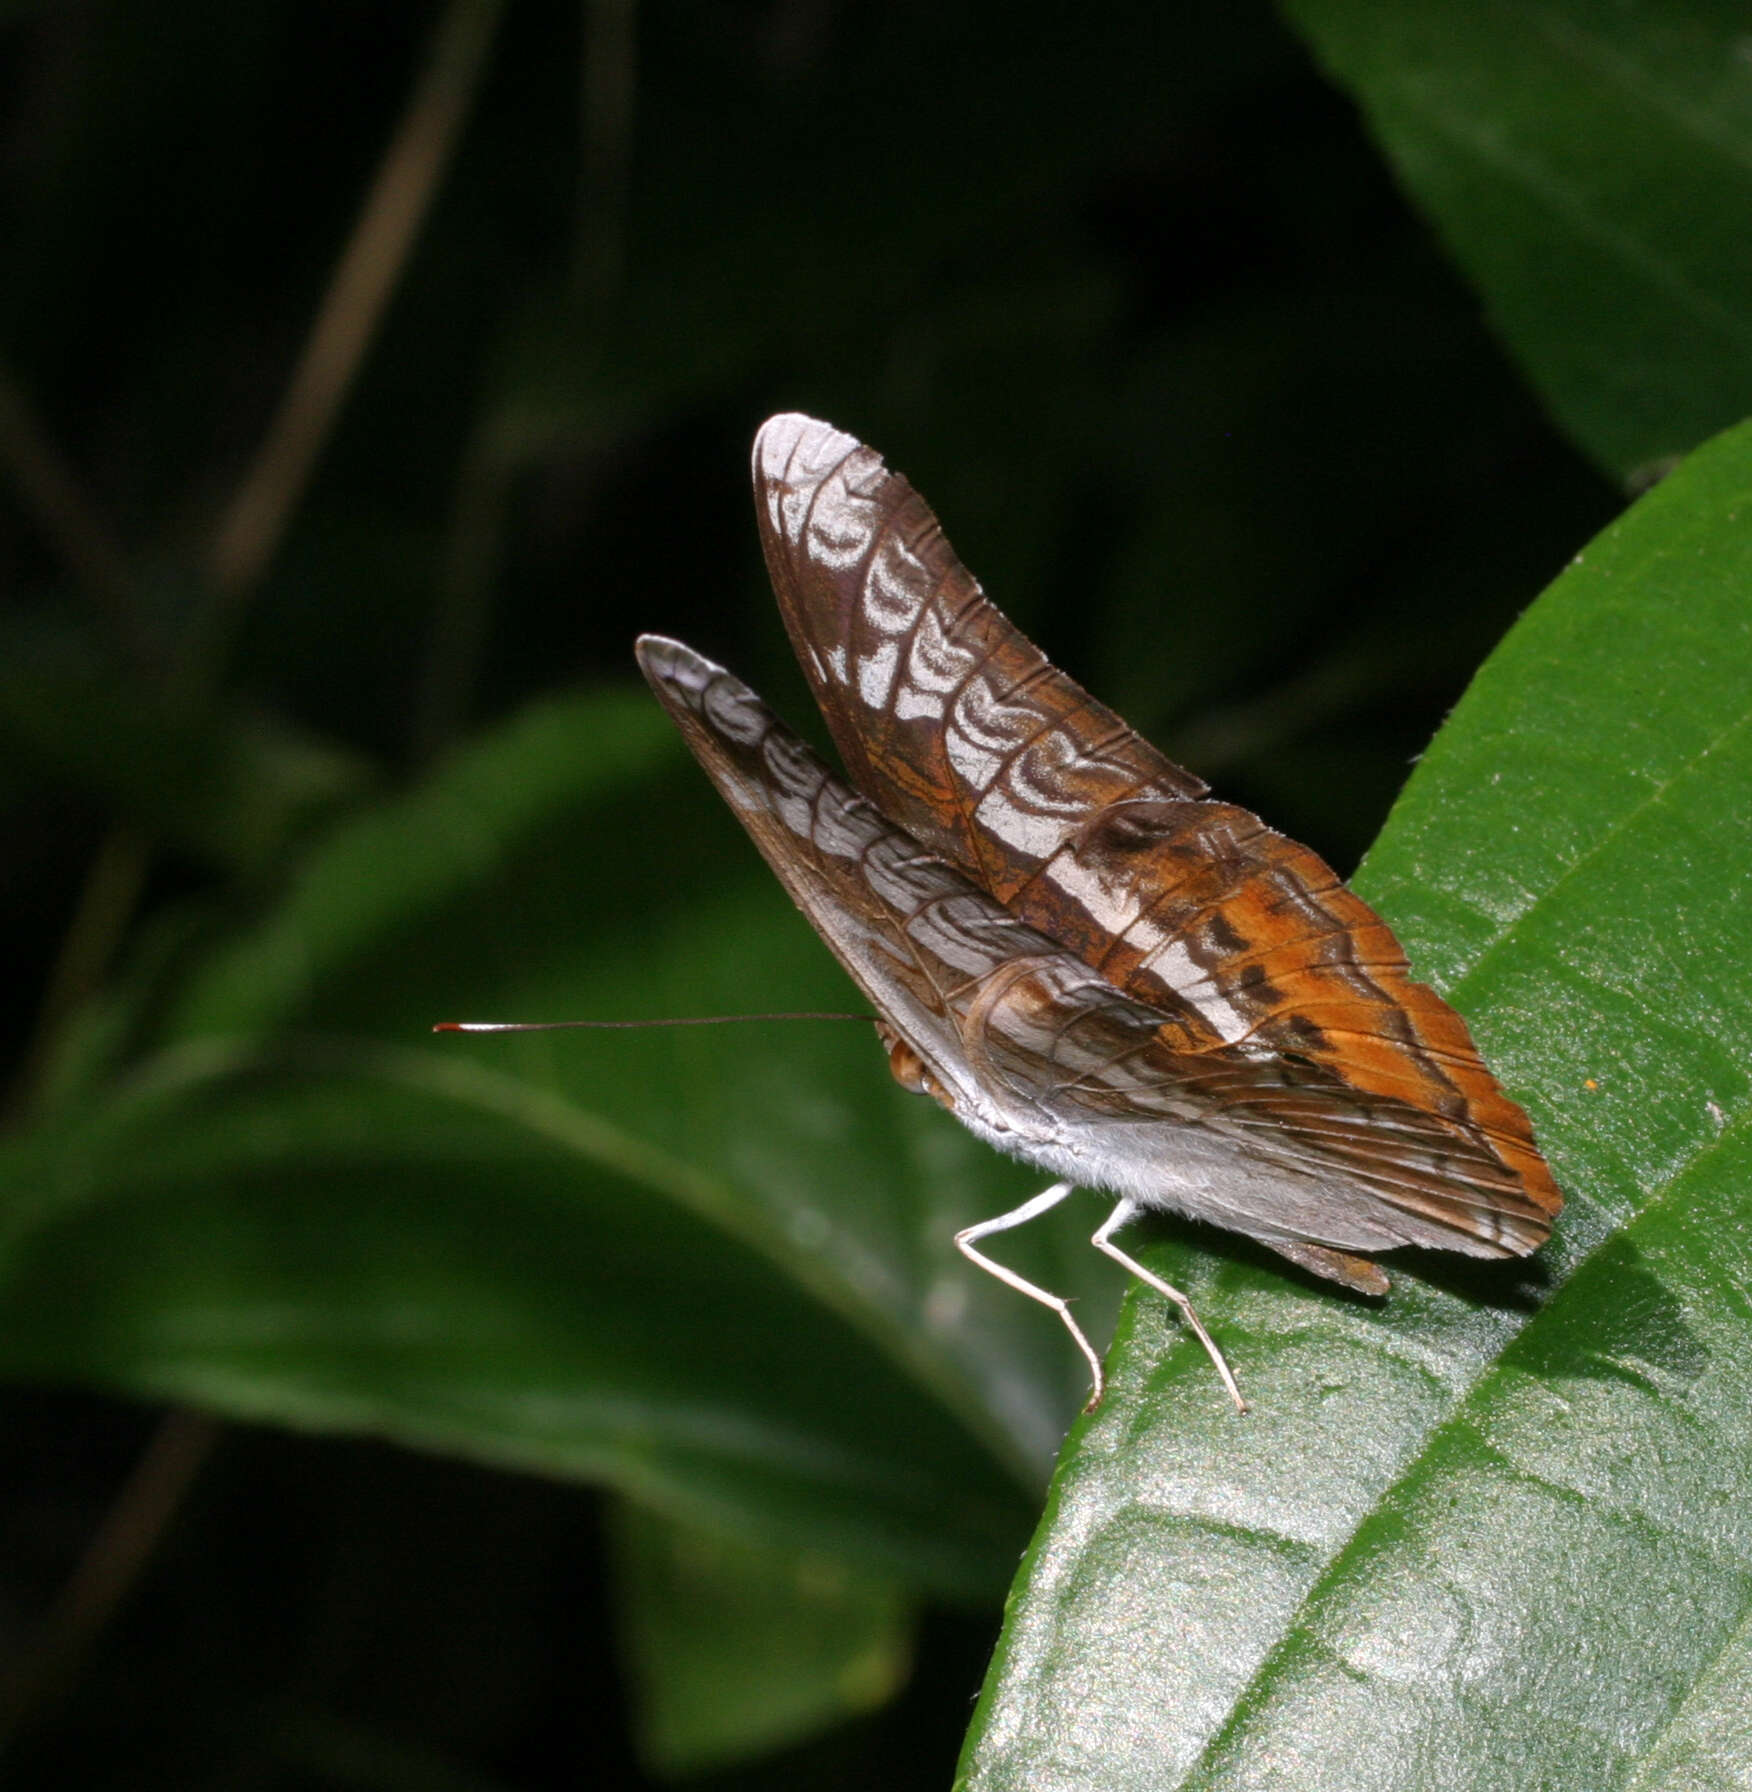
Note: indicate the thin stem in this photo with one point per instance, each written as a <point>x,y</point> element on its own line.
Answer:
<point>69,520</point>
<point>144,1506</point>
<point>244,545</point>
<point>352,308</point>
<point>76,530</point>
<point>459,624</point>
<point>251,530</point>
<point>107,901</point>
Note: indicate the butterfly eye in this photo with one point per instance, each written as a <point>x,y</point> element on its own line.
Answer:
<point>908,1068</point>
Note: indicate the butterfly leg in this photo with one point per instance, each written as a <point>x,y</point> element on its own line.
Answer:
<point>1005,1222</point>
<point>1103,1241</point>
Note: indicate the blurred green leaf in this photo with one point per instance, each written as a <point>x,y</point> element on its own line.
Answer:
<point>1590,167</point>
<point>710,1266</point>
<point>737,1650</point>
<point>616,886</point>
<point>1498,1531</point>
<point>234,789</point>
<point>326,1238</point>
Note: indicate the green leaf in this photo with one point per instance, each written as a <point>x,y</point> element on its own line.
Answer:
<point>1590,167</point>
<point>231,789</point>
<point>1497,1531</point>
<point>736,1651</point>
<point>341,1240</point>
<point>708,1266</point>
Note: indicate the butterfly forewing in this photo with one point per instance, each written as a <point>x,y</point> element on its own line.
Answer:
<point>946,716</point>
<point>914,934</point>
<point>1046,1059</point>
<point>1247,944</point>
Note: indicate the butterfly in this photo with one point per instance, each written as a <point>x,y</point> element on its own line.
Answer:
<point>1089,961</point>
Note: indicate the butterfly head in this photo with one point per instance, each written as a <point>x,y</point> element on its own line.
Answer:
<point>910,1069</point>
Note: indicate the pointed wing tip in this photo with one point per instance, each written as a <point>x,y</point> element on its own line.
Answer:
<point>658,654</point>
<point>791,441</point>
<point>672,668</point>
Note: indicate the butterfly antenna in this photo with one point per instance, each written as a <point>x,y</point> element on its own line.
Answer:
<point>696,1020</point>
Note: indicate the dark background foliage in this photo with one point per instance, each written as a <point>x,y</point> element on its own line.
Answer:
<point>1129,294</point>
